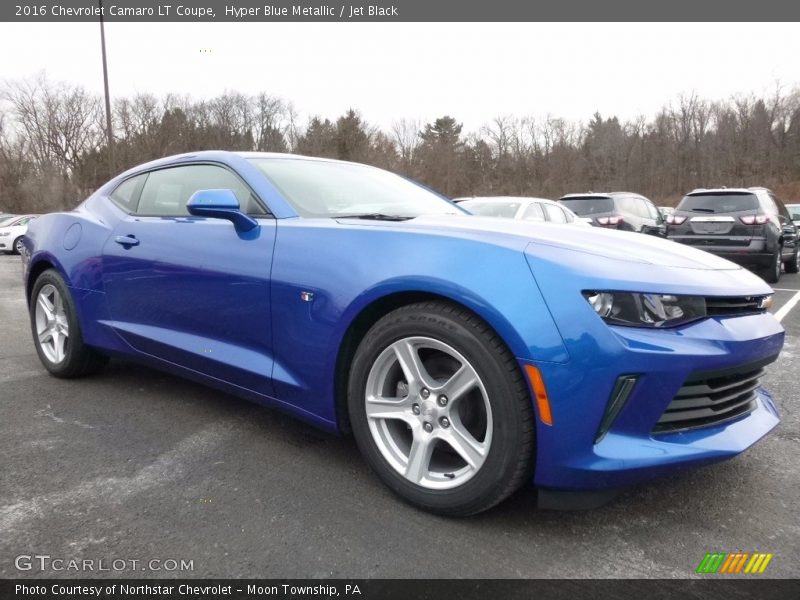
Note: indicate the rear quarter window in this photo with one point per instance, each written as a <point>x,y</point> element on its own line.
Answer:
<point>555,214</point>
<point>126,194</point>
<point>533,212</point>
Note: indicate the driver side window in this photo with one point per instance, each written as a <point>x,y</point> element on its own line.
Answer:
<point>167,191</point>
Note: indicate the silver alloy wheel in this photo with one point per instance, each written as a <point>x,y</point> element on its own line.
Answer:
<point>778,265</point>
<point>52,326</point>
<point>428,413</point>
<point>18,246</point>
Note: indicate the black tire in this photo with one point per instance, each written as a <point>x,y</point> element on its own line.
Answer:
<point>15,245</point>
<point>509,460</point>
<point>772,273</point>
<point>78,358</point>
<point>793,264</point>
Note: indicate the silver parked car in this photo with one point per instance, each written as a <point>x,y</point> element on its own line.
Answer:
<point>794,212</point>
<point>527,209</point>
<point>666,211</point>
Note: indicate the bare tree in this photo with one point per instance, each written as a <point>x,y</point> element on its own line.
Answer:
<point>53,151</point>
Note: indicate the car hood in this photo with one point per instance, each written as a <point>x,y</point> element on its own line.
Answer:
<point>618,245</point>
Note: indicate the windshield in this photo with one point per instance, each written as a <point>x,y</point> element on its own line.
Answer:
<point>718,203</point>
<point>491,209</point>
<point>589,206</point>
<point>6,220</point>
<point>794,211</point>
<point>318,188</point>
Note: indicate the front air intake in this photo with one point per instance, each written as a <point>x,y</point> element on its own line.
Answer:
<point>712,397</point>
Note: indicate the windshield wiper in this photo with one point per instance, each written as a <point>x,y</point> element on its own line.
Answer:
<point>373,216</point>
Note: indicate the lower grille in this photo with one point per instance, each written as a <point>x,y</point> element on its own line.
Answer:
<point>713,397</point>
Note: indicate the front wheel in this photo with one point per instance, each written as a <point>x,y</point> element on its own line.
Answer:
<point>56,331</point>
<point>17,247</point>
<point>440,410</point>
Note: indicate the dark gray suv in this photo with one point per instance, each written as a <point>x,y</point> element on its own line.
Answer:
<point>749,226</point>
<point>625,211</point>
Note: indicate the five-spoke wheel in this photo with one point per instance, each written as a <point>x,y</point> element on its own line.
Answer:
<point>52,327</point>
<point>439,409</point>
<point>429,413</point>
<point>56,331</point>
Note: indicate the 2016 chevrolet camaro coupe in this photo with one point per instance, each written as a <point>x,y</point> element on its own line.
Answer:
<point>467,355</point>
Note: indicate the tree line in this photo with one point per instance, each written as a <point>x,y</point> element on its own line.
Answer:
<point>54,152</point>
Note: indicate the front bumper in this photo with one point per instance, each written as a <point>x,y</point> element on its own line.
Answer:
<point>568,457</point>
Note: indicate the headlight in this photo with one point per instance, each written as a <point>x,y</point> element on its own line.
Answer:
<point>4,233</point>
<point>646,310</point>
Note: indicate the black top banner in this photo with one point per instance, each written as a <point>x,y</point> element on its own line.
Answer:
<point>398,10</point>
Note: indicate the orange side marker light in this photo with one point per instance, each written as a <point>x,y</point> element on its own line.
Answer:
<point>540,391</point>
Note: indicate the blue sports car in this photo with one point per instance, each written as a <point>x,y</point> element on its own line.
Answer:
<point>467,355</point>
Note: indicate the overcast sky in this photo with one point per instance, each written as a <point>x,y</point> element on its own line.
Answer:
<point>471,71</point>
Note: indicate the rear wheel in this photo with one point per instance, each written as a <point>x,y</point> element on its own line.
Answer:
<point>793,264</point>
<point>772,273</point>
<point>440,410</point>
<point>56,331</point>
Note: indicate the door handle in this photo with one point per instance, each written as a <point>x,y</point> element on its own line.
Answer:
<point>126,240</point>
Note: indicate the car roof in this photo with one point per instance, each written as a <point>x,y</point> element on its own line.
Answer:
<point>224,156</point>
<point>726,190</point>
<point>248,154</point>
<point>598,195</point>
<point>501,199</point>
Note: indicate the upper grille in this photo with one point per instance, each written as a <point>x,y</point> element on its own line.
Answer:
<point>710,398</point>
<point>719,306</point>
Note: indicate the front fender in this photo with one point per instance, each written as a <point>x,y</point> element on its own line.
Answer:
<point>324,278</point>
<point>526,328</point>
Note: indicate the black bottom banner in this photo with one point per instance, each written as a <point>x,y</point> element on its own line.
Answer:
<point>401,589</point>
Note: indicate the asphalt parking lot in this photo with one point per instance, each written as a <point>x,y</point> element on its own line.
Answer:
<point>134,464</point>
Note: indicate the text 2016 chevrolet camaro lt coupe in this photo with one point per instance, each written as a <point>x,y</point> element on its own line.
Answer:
<point>467,355</point>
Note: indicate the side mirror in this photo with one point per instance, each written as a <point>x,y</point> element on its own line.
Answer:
<point>220,204</point>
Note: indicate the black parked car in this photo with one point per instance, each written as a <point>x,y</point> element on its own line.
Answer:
<point>749,226</point>
<point>618,210</point>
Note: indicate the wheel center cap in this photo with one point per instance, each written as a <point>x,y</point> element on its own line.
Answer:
<point>428,410</point>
